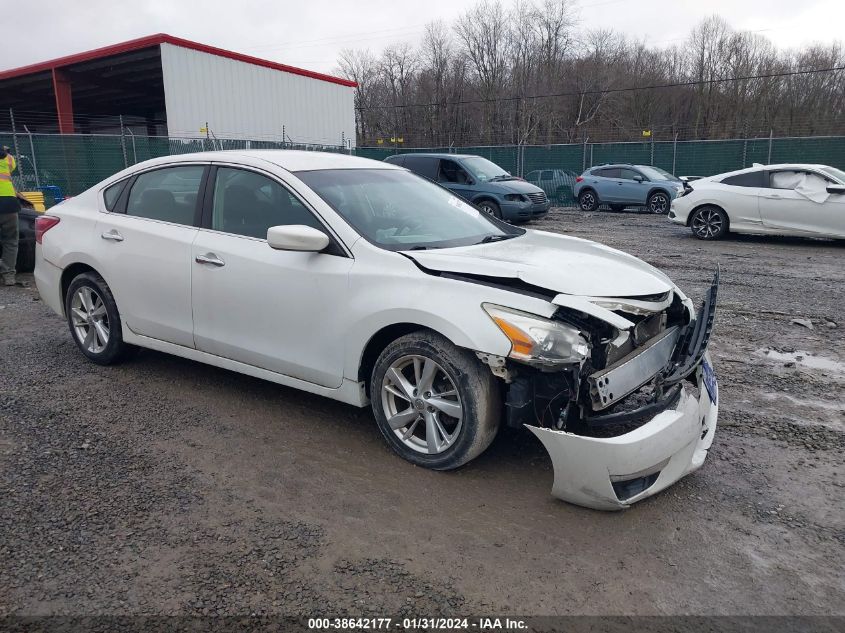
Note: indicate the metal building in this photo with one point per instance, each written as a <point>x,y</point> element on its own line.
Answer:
<point>165,85</point>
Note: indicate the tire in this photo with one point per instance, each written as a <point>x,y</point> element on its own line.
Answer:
<point>562,194</point>
<point>490,208</point>
<point>82,319</point>
<point>456,439</point>
<point>658,203</point>
<point>26,257</point>
<point>709,223</point>
<point>588,200</point>
<point>617,207</point>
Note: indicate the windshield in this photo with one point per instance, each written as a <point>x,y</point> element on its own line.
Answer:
<point>483,170</point>
<point>655,173</point>
<point>398,210</point>
<point>836,173</point>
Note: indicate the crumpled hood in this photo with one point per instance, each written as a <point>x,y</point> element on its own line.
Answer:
<point>559,263</point>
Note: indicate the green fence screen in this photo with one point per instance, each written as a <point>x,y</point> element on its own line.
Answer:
<point>76,162</point>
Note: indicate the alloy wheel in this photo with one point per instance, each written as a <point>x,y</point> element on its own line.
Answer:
<point>90,319</point>
<point>421,404</point>
<point>707,223</point>
<point>659,203</point>
<point>588,201</point>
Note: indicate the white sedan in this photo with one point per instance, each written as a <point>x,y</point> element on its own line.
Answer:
<point>798,200</point>
<point>359,281</point>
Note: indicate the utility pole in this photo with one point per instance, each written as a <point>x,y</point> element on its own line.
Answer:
<point>771,133</point>
<point>674,153</point>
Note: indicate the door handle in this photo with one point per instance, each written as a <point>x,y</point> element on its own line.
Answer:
<point>774,196</point>
<point>112,235</point>
<point>209,258</point>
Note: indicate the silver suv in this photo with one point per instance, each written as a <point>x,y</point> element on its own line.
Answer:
<point>621,186</point>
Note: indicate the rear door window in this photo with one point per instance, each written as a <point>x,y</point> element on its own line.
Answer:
<point>748,179</point>
<point>112,194</point>
<point>168,194</point>
<point>629,174</point>
<point>607,172</point>
<point>425,166</point>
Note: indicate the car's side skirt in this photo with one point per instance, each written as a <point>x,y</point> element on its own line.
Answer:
<point>349,391</point>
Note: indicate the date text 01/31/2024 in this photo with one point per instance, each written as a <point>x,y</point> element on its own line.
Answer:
<point>422,623</point>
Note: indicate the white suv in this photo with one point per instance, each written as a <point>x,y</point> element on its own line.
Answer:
<point>362,282</point>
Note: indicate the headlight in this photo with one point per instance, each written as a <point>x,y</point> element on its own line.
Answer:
<point>536,340</point>
<point>515,197</point>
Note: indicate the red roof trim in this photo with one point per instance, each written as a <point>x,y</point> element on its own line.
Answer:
<point>163,38</point>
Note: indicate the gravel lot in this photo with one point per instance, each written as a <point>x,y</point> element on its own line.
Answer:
<point>163,486</point>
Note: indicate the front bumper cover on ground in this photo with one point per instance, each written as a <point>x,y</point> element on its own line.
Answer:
<point>612,473</point>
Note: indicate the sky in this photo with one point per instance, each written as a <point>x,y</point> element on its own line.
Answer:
<point>311,33</point>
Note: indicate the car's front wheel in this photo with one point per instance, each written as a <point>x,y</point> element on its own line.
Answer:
<point>436,404</point>
<point>709,223</point>
<point>658,203</point>
<point>490,208</point>
<point>588,201</point>
<point>94,320</point>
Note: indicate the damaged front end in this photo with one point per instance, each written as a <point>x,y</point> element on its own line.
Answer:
<point>622,393</point>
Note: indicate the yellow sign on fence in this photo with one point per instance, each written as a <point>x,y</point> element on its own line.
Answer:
<point>646,132</point>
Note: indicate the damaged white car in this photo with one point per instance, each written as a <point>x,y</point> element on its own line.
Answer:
<point>360,281</point>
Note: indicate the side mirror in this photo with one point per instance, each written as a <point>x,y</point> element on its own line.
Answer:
<point>639,178</point>
<point>296,237</point>
<point>836,189</point>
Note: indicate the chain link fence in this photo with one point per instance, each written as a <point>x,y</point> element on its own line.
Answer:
<point>69,164</point>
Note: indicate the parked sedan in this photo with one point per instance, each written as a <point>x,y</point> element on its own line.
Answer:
<point>794,199</point>
<point>557,183</point>
<point>362,282</point>
<point>621,186</point>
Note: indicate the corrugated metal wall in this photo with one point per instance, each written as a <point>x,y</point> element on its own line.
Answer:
<point>243,100</point>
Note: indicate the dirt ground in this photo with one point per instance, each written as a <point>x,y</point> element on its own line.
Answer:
<point>163,486</point>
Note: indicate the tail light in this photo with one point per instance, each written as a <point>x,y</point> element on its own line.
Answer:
<point>44,223</point>
<point>579,178</point>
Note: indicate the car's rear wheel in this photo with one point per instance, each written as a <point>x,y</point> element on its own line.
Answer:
<point>588,200</point>
<point>658,203</point>
<point>94,320</point>
<point>26,257</point>
<point>490,208</point>
<point>436,404</point>
<point>709,223</point>
<point>562,194</point>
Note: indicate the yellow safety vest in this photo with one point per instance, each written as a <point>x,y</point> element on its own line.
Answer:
<point>7,166</point>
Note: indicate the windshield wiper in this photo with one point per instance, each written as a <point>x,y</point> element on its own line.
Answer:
<point>495,238</point>
<point>418,247</point>
<point>500,177</point>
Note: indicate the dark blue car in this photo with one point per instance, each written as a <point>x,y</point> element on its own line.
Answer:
<point>481,182</point>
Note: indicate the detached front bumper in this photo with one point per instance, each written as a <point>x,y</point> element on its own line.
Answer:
<point>612,473</point>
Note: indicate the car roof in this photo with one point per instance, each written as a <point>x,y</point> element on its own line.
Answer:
<point>291,160</point>
<point>746,170</point>
<point>435,155</point>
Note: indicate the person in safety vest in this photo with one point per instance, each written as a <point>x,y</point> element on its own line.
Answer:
<point>9,209</point>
